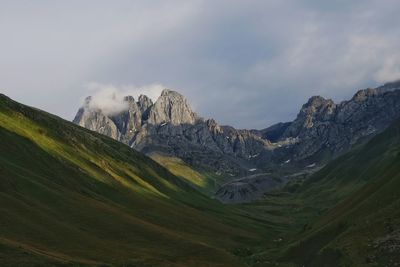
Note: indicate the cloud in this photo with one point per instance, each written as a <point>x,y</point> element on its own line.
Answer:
<point>390,70</point>
<point>244,63</point>
<point>251,65</point>
<point>107,98</point>
<point>110,98</point>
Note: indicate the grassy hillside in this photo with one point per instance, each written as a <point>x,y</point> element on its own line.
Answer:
<point>347,214</point>
<point>205,181</point>
<point>69,196</point>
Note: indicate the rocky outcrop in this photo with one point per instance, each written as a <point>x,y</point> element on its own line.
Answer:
<point>144,104</point>
<point>325,127</point>
<point>170,126</point>
<point>322,130</point>
<point>96,120</point>
<point>247,189</point>
<point>171,107</point>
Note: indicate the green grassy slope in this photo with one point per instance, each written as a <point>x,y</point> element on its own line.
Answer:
<point>69,196</point>
<point>204,181</point>
<point>347,214</point>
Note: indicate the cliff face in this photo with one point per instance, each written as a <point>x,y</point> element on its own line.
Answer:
<point>170,126</point>
<point>171,107</point>
<point>96,120</point>
<point>322,130</point>
<point>323,125</point>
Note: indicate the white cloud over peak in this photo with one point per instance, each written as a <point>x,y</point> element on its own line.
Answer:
<point>110,98</point>
<point>390,71</point>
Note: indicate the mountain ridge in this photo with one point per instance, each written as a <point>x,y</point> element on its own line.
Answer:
<point>321,131</point>
<point>173,108</point>
<point>71,196</point>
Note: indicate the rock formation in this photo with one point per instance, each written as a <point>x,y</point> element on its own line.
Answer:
<point>322,130</point>
<point>325,127</point>
<point>170,126</point>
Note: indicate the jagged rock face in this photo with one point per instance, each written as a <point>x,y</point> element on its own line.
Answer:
<point>323,125</point>
<point>121,126</point>
<point>322,130</point>
<point>204,144</point>
<point>171,107</point>
<point>128,122</point>
<point>95,120</point>
<point>195,144</point>
<point>274,132</point>
<point>316,110</point>
<point>144,104</point>
<point>170,126</point>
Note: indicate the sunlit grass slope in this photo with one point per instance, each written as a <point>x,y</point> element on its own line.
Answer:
<point>203,181</point>
<point>69,196</point>
<point>72,197</point>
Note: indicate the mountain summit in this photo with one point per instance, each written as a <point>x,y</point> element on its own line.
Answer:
<point>171,107</point>
<point>171,126</point>
<point>321,131</point>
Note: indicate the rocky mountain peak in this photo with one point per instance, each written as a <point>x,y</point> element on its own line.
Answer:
<point>167,92</point>
<point>145,99</point>
<point>317,108</point>
<point>144,104</point>
<point>129,99</point>
<point>321,128</point>
<point>171,107</point>
<point>362,95</point>
<point>316,102</point>
<point>213,126</point>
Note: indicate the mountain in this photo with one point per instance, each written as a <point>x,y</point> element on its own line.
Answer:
<point>170,126</point>
<point>323,126</point>
<point>73,197</point>
<point>248,163</point>
<point>347,214</point>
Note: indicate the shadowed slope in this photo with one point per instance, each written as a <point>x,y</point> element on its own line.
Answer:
<point>350,210</point>
<point>68,195</point>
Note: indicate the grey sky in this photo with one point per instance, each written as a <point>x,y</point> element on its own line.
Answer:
<point>244,63</point>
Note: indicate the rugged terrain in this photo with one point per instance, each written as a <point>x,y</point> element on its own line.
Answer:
<point>322,131</point>
<point>73,197</point>
<point>348,212</point>
<point>170,126</point>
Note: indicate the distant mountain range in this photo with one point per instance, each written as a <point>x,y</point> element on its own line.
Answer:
<point>170,126</point>
<point>72,197</point>
<point>322,131</point>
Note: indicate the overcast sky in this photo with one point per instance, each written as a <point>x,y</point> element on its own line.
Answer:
<point>244,63</point>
